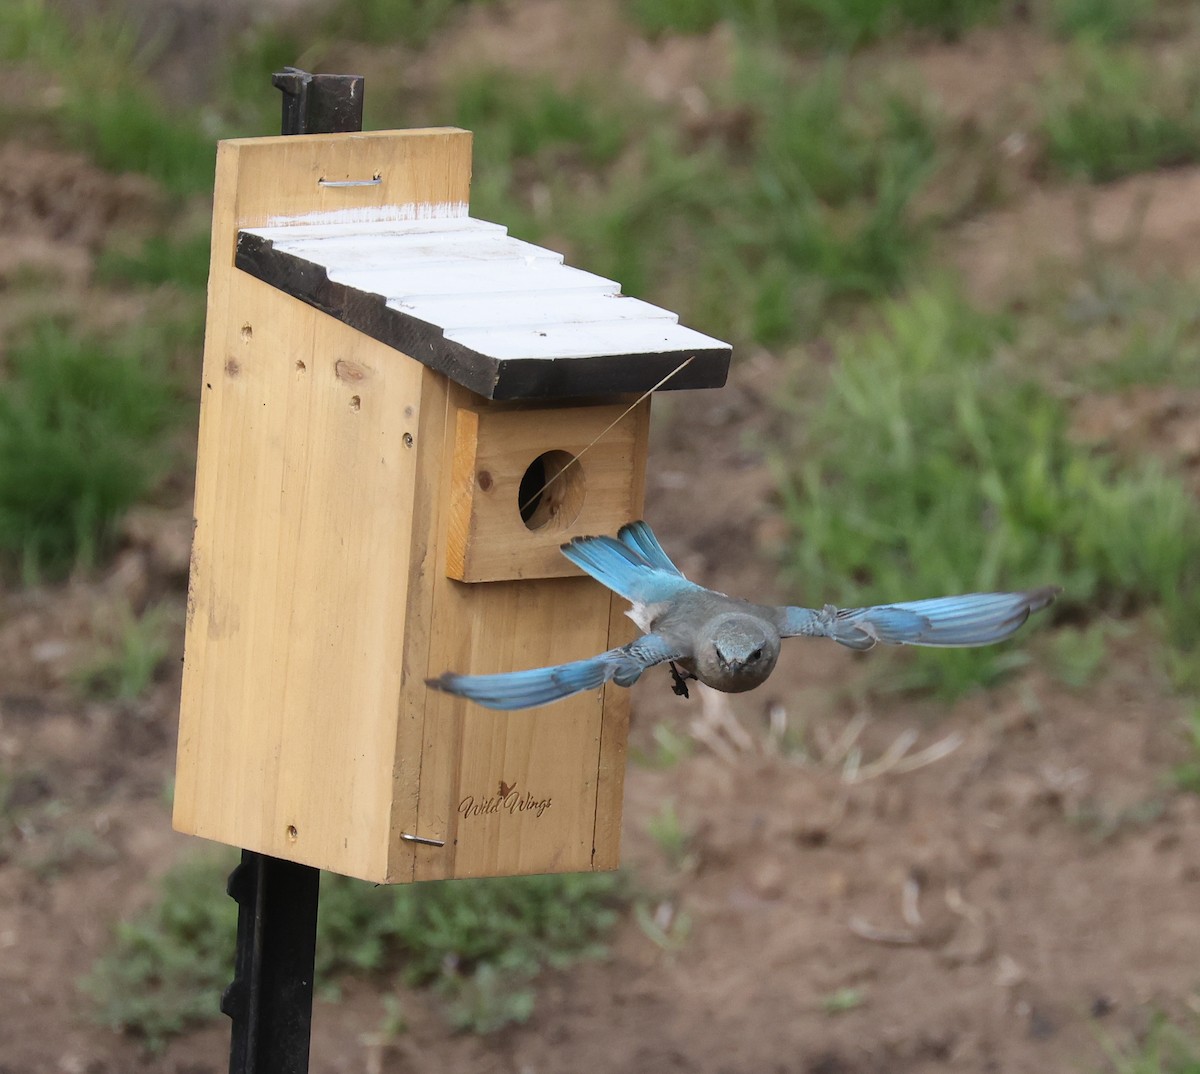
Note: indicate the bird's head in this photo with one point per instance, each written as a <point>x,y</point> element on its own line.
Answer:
<point>741,653</point>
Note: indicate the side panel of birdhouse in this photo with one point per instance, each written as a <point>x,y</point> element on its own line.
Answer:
<point>299,580</point>
<point>538,790</point>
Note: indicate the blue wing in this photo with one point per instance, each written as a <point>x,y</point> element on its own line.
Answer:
<point>635,566</point>
<point>540,686</point>
<point>964,621</point>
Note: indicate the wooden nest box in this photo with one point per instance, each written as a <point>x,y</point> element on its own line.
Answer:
<point>389,384</point>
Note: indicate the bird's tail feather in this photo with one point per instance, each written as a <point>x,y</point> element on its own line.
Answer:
<point>624,568</point>
<point>640,537</point>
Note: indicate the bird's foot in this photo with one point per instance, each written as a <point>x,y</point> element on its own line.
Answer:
<point>679,680</point>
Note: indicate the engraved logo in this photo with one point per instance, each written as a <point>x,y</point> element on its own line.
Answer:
<point>508,799</point>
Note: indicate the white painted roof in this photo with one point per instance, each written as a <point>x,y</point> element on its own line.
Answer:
<point>486,290</point>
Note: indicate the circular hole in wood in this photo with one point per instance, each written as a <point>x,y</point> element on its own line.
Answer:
<point>551,493</point>
<point>292,833</point>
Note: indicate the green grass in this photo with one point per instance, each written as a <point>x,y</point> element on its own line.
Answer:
<point>161,259</point>
<point>249,104</point>
<point>674,839</point>
<point>1101,821</point>
<point>816,24</point>
<point>640,223</point>
<point>515,118</point>
<point>670,747</point>
<point>566,168</point>
<point>127,653</point>
<point>809,207</point>
<point>1131,333</point>
<point>170,963</point>
<point>34,30</point>
<point>480,944</point>
<point>412,22</point>
<point>842,1000</point>
<point>837,137</point>
<point>1186,776</point>
<point>934,465</point>
<point>125,128</point>
<point>663,923</point>
<point>1110,112</point>
<point>106,105</point>
<point>530,134</point>
<point>1110,21</point>
<point>822,210</point>
<point>1167,1048</point>
<point>815,211</point>
<point>1077,655</point>
<point>681,16</point>
<point>82,423</point>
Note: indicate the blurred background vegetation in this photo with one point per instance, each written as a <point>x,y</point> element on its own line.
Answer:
<point>805,200</point>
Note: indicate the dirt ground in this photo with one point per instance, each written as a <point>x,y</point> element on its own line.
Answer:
<point>1006,886</point>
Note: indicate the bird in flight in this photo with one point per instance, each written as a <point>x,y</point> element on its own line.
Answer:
<point>727,643</point>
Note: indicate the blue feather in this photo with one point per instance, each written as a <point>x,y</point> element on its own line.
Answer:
<point>968,620</point>
<point>539,686</point>
<point>623,569</point>
<point>634,565</point>
<point>526,689</point>
<point>640,537</point>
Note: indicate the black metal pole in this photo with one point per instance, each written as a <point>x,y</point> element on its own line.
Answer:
<point>270,998</point>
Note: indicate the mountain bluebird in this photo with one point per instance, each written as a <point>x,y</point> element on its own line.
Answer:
<point>727,643</point>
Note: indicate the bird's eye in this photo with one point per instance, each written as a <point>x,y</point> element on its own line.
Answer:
<point>756,655</point>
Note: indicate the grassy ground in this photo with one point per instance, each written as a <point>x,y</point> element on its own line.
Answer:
<point>800,201</point>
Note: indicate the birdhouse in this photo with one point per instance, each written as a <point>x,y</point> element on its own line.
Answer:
<point>405,411</point>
